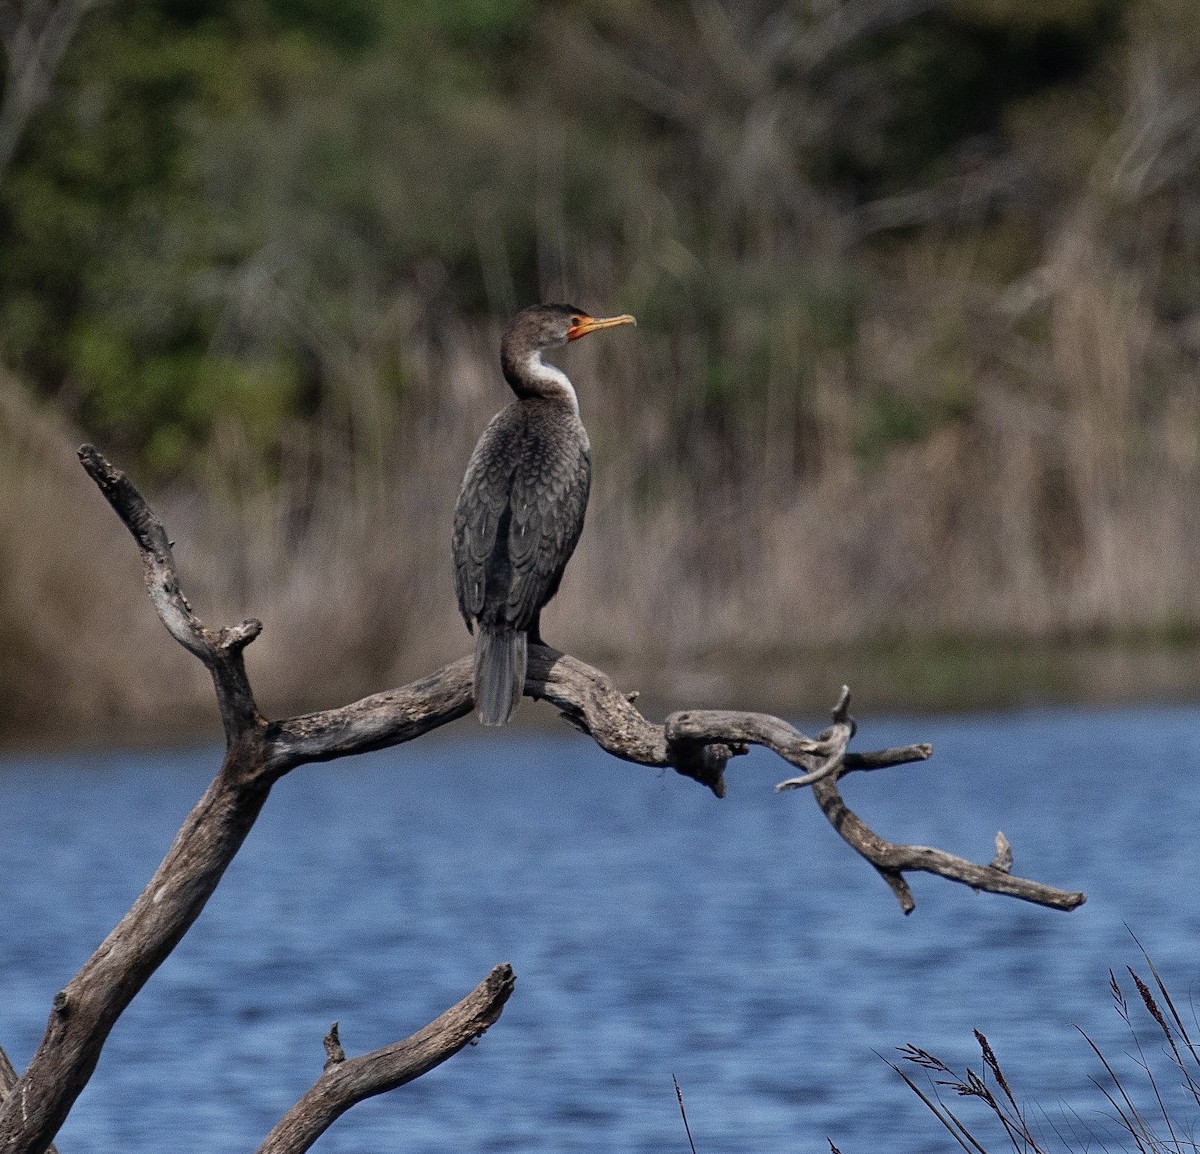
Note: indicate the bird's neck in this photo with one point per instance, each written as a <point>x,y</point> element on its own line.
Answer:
<point>530,376</point>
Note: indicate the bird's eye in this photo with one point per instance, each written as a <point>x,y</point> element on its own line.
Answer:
<point>576,321</point>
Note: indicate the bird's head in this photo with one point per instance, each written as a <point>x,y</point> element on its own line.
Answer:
<point>551,326</point>
<point>538,328</point>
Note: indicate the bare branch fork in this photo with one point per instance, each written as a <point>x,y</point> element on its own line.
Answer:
<point>696,743</point>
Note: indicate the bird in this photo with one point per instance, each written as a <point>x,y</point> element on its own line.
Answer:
<point>521,506</point>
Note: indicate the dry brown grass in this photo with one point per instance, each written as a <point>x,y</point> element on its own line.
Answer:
<point>80,654</point>
<point>1055,496</point>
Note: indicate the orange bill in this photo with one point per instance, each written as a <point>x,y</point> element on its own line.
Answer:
<point>585,324</point>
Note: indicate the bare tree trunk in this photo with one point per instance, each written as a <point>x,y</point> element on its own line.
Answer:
<point>696,743</point>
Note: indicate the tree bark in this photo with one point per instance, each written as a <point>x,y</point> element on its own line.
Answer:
<point>8,1079</point>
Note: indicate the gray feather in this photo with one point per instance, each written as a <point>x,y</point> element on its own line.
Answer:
<point>500,656</point>
<point>520,513</point>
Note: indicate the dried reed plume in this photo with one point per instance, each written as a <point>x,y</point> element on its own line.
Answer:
<point>1154,1111</point>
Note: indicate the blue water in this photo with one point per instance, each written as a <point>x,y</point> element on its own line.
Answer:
<point>737,944</point>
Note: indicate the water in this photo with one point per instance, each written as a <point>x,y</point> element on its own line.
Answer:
<point>737,944</point>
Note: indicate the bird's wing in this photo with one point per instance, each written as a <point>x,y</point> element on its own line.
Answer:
<point>482,508</point>
<point>549,499</point>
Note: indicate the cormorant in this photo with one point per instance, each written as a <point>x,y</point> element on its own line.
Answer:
<point>521,506</point>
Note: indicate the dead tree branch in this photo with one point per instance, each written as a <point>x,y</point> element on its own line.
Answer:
<point>346,1082</point>
<point>8,1079</point>
<point>695,743</point>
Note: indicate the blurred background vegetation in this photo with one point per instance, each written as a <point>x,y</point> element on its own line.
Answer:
<point>915,378</point>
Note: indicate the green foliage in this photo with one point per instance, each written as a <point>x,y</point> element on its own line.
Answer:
<point>169,403</point>
<point>221,191</point>
<point>890,420</point>
<point>924,88</point>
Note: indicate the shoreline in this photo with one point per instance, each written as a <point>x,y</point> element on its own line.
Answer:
<point>942,677</point>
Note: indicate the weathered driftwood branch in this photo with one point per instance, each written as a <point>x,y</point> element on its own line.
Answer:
<point>696,743</point>
<point>346,1082</point>
<point>8,1079</point>
<point>220,652</point>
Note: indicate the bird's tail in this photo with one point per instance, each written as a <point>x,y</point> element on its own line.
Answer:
<point>500,656</point>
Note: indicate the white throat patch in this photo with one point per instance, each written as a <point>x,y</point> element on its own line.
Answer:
<point>552,377</point>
